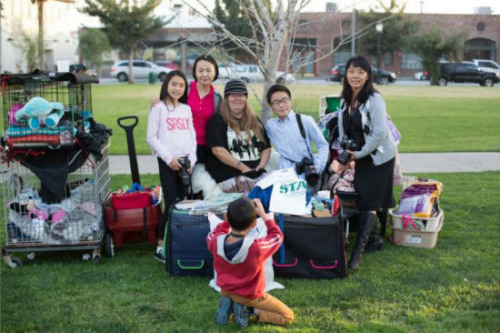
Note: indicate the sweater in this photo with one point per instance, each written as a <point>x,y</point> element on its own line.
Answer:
<point>170,133</point>
<point>379,142</point>
<point>244,274</point>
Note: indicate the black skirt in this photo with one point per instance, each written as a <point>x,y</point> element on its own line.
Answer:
<point>373,183</point>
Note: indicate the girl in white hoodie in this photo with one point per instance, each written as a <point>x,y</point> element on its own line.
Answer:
<point>171,137</point>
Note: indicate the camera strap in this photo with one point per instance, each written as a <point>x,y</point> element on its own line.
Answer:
<point>303,133</point>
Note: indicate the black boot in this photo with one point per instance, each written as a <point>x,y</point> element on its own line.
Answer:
<point>376,242</point>
<point>366,222</point>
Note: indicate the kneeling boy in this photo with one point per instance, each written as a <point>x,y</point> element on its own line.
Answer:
<point>239,262</point>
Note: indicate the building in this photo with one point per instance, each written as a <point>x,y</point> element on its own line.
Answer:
<point>19,26</point>
<point>310,52</point>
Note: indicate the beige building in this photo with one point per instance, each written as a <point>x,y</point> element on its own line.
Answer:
<point>19,20</point>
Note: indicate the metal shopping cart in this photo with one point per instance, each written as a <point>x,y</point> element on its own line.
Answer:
<point>54,170</point>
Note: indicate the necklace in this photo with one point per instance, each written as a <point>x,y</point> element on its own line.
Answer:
<point>236,236</point>
<point>166,105</point>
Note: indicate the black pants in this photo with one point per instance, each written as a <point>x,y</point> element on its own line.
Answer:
<point>172,190</point>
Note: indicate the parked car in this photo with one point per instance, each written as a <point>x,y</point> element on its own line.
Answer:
<point>465,71</point>
<point>141,70</point>
<point>226,71</point>
<point>422,75</point>
<point>168,64</point>
<point>252,73</point>
<point>488,66</point>
<point>337,74</point>
<point>77,68</point>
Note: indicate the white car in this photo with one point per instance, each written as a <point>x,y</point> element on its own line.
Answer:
<point>488,66</point>
<point>252,73</point>
<point>141,70</point>
<point>422,75</point>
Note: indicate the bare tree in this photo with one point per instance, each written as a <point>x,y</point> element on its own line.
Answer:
<point>273,25</point>
<point>271,30</point>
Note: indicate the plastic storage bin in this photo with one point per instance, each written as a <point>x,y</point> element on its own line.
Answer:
<point>409,236</point>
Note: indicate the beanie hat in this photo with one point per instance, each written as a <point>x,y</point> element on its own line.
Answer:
<point>235,86</point>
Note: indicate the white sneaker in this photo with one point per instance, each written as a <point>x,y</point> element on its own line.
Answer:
<point>159,255</point>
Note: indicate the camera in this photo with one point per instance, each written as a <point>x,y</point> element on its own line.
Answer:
<point>183,172</point>
<point>304,167</point>
<point>347,144</point>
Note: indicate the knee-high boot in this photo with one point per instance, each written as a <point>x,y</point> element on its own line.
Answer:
<point>376,242</point>
<point>367,221</point>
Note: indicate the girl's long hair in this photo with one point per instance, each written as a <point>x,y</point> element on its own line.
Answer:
<point>164,87</point>
<point>367,90</point>
<point>249,121</point>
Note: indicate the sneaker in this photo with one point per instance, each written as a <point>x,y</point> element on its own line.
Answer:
<point>240,314</point>
<point>159,255</point>
<point>223,311</point>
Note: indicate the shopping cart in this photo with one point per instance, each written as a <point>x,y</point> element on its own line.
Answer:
<point>53,185</point>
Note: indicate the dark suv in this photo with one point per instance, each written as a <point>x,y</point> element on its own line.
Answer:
<point>465,72</point>
<point>337,73</point>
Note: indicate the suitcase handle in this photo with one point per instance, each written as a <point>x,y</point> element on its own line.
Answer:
<point>323,267</point>
<point>286,265</point>
<point>202,263</point>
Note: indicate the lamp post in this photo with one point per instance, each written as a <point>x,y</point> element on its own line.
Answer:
<point>379,27</point>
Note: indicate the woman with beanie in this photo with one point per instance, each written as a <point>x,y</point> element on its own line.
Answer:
<point>238,142</point>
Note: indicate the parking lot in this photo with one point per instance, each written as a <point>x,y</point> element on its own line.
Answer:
<point>318,81</point>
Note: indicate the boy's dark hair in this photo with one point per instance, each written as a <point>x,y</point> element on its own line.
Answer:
<point>276,88</point>
<point>164,86</point>
<point>211,60</point>
<point>241,213</point>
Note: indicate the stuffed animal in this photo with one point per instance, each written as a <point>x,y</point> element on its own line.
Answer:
<point>36,111</point>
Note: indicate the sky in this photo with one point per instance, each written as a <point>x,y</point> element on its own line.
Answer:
<point>413,6</point>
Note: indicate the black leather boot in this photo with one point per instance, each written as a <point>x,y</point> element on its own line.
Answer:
<point>376,242</point>
<point>367,221</point>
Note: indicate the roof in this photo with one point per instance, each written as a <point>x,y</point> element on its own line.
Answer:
<point>186,21</point>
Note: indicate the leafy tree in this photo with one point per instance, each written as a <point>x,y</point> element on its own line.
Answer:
<point>93,43</point>
<point>397,29</point>
<point>125,23</point>
<point>433,44</point>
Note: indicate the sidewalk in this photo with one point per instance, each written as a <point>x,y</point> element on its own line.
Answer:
<point>410,163</point>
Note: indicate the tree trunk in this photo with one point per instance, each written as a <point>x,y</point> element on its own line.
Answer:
<point>130,68</point>
<point>40,47</point>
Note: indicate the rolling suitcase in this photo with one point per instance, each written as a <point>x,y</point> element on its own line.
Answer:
<point>186,250</point>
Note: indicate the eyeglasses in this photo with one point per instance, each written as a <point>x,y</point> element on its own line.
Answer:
<point>281,101</point>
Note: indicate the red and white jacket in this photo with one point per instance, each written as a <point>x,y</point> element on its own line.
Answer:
<point>243,275</point>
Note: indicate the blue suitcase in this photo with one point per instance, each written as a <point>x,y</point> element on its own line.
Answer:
<point>186,249</point>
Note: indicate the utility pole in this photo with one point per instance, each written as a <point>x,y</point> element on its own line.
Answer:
<point>353,30</point>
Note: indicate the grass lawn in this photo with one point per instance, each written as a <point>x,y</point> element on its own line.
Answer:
<point>451,288</point>
<point>431,119</point>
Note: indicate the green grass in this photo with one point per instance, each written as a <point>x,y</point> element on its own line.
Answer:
<point>431,119</point>
<point>451,288</point>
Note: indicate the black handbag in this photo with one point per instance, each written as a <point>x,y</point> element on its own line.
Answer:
<point>313,248</point>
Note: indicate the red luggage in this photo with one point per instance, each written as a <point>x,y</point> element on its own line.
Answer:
<point>123,221</point>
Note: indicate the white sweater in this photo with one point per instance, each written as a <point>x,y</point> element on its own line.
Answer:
<point>171,133</point>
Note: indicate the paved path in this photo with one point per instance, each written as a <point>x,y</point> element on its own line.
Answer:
<point>410,163</point>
